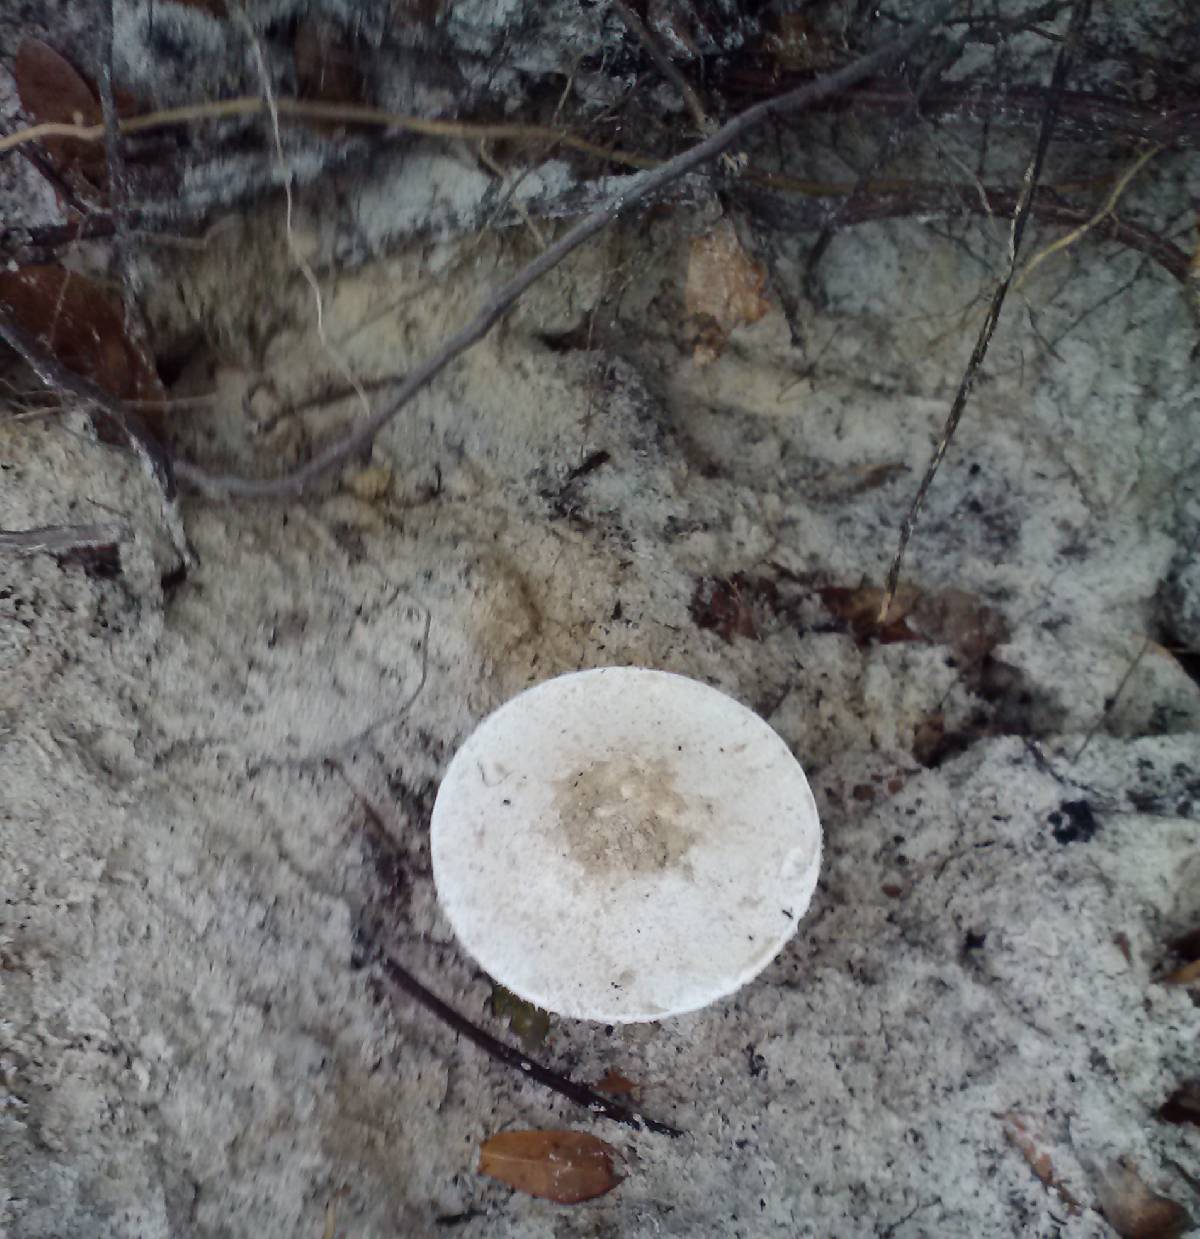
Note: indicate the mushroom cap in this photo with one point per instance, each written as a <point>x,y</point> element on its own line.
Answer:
<point>624,844</point>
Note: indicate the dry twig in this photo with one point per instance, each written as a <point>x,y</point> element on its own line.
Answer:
<point>1062,65</point>
<point>580,1094</point>
<point>1110,205</point>
<point>665,65</point>
<point>59,539</point>
<point>155,462</point>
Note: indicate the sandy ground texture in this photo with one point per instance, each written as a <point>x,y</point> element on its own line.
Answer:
<point>214,787</point>
<point>211,786</point>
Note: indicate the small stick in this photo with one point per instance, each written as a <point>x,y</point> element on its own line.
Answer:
<point>1090,113</point>
<point>1111,705</point>
<point>59,539</point>
<point>1110,205</point>
<point>599,1105</point>
<point>155,462</point>
<point>665,65</point>
<point>1058,79</point>
<point>344,113</point>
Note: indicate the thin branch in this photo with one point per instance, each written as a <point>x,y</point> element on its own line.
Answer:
<point>1062,65</point>
<point>1087,114</point>
<point>863,182</point>
<point>155,462</point>
<point>665,65</point>
<point>59,539</point>
<point>1110,205</point>
<point>497,305</point>
<point>1111,703</point>
<point>1082,114</point>
<point>580,1094</point>
<point>343,113</point>
<point>1004,203</point>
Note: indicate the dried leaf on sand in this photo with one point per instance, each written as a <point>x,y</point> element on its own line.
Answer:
<point>564,1166</point>
<point>725,290</point>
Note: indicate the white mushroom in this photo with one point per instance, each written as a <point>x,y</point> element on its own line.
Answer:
<point>624,844</point>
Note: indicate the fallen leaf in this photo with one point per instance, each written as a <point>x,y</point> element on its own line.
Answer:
<point>51,89</point>
<point>1183,1105</point>
<point>84,328</point>
<point>1017,1129</point>
<point>616,1085</point>
<point>1133,1210</point>
<point>531,1024</point>
<point>564,1166</point>
<point>950,617</point>
<point>958,619</point>
<point>724,290</point>
<point>859,610</point>
<point>1187,975</point>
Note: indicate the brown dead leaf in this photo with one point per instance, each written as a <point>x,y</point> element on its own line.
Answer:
<point>950,617</point>
<point>1017,1129</point>
<point>616,1085</point>
<point>564,1166</point>
<point>859,610</point>
<point>958,619</point>
<point>1133,1210</point>
<point>1189,974</point>
<point>51,89</point>
<point>724,290</point>
<point>84,328</point>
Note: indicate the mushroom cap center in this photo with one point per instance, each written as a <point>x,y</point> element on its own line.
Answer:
<point>624,844</point>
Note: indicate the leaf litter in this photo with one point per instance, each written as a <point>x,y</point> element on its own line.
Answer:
<point>567,1167</point>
